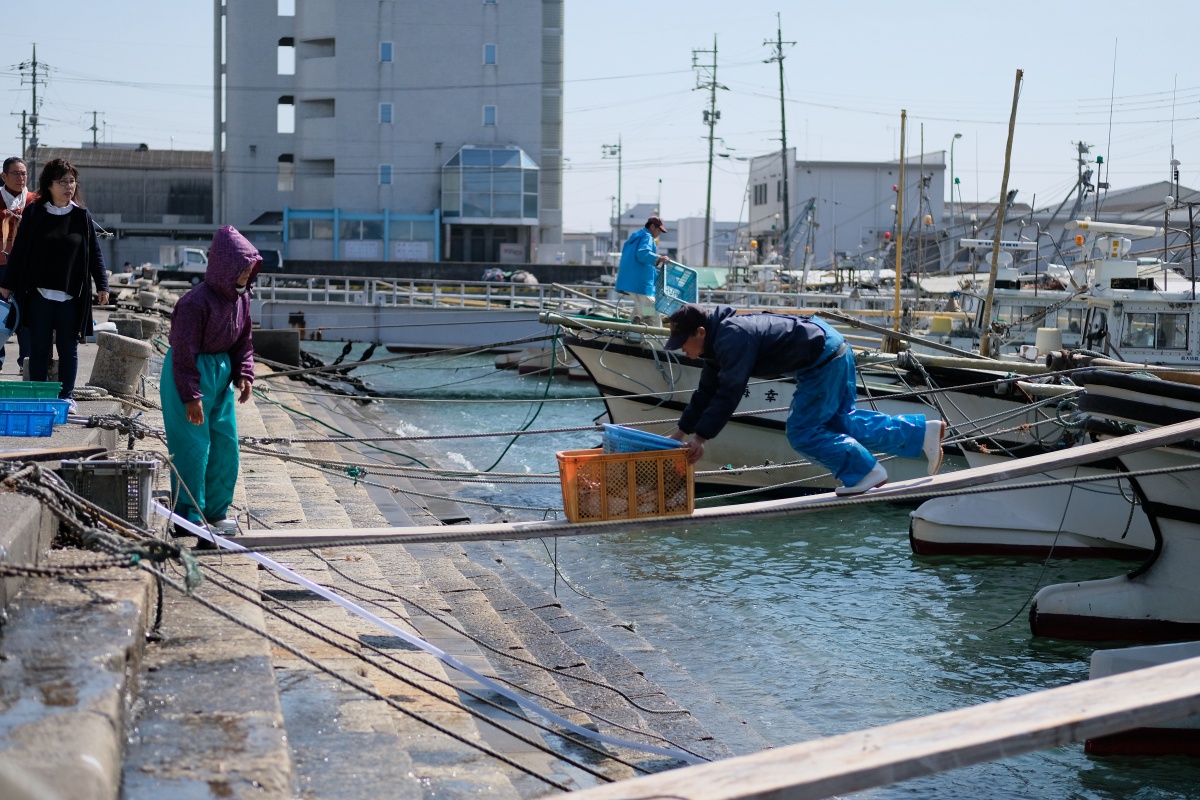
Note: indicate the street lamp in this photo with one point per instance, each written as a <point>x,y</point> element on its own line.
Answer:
<point>610,151</point>
<point>953,179</point>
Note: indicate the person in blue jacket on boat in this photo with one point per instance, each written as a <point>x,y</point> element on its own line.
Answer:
<point>639,265</point>
<point>822,425</point>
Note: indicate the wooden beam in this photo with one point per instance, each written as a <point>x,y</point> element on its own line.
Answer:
<point>900,491</point>
<point>928,745</point>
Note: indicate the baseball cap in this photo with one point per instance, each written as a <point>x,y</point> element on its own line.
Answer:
<point>683,324</point>
<point>656,221</point>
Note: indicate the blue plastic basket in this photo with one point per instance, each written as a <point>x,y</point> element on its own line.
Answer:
<point>675,285</point>
<point>619,439</point>
<point>26,423</point>
<point>59,407</point>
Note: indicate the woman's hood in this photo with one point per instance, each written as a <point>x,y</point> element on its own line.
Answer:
<point>228,256</point>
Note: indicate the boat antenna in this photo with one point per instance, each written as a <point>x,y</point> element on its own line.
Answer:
<point>1103,185</point>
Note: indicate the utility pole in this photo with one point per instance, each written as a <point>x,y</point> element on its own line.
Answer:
<point>33,114</point>
<point>94,129</point>
<point>24,132</point>
<point>608,151</point>
<point>706,78</point>
<point>777,55</point>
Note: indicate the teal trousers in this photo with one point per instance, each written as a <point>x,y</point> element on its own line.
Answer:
<point>205,456</point>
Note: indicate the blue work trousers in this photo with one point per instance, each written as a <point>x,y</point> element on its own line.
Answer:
<point>824,426</point>
<point>205,456</point>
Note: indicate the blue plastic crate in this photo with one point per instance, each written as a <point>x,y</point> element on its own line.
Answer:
<point>26,423</point>
<point>59,407</point>
<point>619,439</point>
<point>675,285</point>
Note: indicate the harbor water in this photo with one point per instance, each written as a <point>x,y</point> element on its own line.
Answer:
<point>804,627</point>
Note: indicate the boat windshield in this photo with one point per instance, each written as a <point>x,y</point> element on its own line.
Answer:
<point>1156,331</point>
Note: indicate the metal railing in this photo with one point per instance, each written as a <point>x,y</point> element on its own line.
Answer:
<point>418,292</point>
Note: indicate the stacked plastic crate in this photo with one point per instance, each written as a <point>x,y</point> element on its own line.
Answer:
<point>30,408</point>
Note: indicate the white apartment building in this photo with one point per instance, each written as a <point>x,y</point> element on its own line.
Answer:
<point>392,130</point>
<point>846,210</point>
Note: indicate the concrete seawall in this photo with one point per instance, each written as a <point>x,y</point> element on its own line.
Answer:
<point>200,703</point>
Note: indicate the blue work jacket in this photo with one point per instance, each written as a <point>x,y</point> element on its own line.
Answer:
<point>636,272</point>
<point>738,347</point>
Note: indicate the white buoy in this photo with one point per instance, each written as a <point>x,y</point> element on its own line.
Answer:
<point>1048,340</point>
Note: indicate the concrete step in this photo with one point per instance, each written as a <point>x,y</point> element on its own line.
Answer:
<point>345,743</point>
<point>433,577</point>
<point>601,629</point>
<point>69,657</point>
<point>554,637</point>
<point>208,717</point>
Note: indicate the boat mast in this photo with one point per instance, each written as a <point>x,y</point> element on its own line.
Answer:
<point>984,341</point>
<point>899,230</point>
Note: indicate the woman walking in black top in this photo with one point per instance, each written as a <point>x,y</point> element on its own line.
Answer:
<point>55,257</point>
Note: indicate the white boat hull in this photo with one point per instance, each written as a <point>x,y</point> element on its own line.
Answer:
<point>1179,738</point>
<point>1159,601</point>
<point>1091,520</point>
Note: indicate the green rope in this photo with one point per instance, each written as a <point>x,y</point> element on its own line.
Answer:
<point>540,405</point>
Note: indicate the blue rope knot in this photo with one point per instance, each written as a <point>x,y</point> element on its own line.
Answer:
<point>355,473</point>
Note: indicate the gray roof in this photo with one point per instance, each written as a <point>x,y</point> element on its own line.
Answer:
<point>128,158</point>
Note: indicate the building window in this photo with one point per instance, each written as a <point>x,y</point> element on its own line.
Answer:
<point>285,59</point>
<point>489,54</point>
<point>490,184</point>
<point>385,113</point>
<point>760,194</point>
<point>285,115</point>
<point>489,116</point>
<point>385,174</point>
<point>287,173</point>
<point>286,8</point>
<point>385,52</point>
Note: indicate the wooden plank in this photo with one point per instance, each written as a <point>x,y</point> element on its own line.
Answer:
<point>900,491</point>
<point>928,745</point>
<point>934,744</point>
<point>52,453</point>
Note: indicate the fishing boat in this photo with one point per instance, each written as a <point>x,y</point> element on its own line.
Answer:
<point>1181,737</point>
<point>1138,312</point>
<point>1160,600</point>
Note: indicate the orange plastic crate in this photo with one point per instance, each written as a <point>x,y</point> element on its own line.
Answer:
<point>652,483</point>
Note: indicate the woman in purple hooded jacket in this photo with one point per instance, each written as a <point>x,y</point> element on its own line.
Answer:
<point>211,354</point>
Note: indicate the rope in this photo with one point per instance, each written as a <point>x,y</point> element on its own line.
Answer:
<point>416,641</point>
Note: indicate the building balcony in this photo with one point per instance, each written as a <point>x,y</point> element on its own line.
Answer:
<point>316,138</point>
<point>316,78</point>
<point>316,19</point>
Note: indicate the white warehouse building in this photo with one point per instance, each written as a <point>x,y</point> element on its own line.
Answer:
<point>393,130</point>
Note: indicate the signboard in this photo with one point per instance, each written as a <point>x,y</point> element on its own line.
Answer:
<point>412,251</point>
<point>362,250</point>
<point>512,253</point>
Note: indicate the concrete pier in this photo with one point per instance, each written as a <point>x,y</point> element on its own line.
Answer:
<point>99,702</point>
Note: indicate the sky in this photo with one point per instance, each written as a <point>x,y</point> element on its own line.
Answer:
<point>1117,76</point>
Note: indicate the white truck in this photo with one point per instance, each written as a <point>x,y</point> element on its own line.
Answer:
<point>181,262</point>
